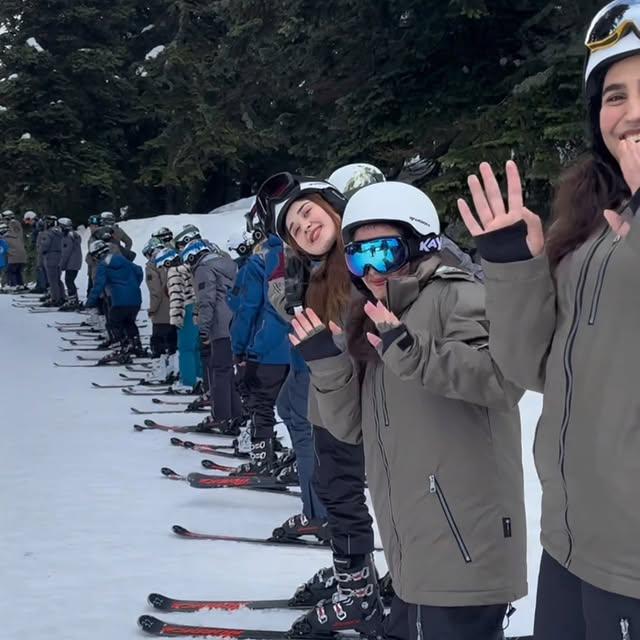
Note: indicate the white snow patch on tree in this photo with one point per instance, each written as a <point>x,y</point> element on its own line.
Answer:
<point>141,71</point>
<point>25,136</point>
<point>155,52</point>
<point>148,28</point>
<point>2,109</point>
<point>13,76</point>
<point>32,42</point>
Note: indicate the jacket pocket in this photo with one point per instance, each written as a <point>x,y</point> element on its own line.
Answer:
<point>435,489</point>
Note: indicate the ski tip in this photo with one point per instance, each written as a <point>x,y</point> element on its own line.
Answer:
<point>166,471</point>
<point>176,442</point>
<point>150,423</point>
<point>150,624</point>
<point>187,444</point>
<point>139,427</point>
<point>181,531</point>
<point>207,464</point>
<point>158,601</point>
<point>156,400</point>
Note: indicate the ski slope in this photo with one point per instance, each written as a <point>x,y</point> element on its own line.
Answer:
<point>87,515</point>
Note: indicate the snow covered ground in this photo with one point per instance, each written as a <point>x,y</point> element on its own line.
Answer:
<point>87,515</point>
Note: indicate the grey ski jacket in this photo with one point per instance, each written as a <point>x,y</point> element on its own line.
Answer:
<point>441,433</point>
<point>71,255</point>
<point>573,335</point>
<point>51,246</point>
<point>156,278</point>
<point>213,277</point>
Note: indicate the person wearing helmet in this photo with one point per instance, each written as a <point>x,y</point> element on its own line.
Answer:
<point>417,383</point>
<point>122,279</point>
<point>120,237</point>
<point>164,336</point>
<point>316,271</point>
<point>182,307</point>
<point>51,247</point>
<point>165,235</point>
<point>188,233</point>
<point>564,318</point>
<point>70,262</point>
<point>241,243</point>
<point>213,275</point>
<point>17,251</point>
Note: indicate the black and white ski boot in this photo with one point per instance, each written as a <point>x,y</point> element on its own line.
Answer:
<point>288,474</point>
<point>320,586</point>
<point>355,605</point>
<point>262,459</point>
<point>299,525</point>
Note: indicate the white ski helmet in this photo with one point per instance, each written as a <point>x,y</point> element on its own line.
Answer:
<point>108,217</point>
<point>29,216</point>
<point>8,214</point>
<point>65,223</point>
<point>352,177</point>
<point>614,34</point>
<point>391,202</point>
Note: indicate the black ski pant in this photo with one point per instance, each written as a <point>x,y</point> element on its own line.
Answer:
<point>164,339</point>
<point>205,360</point>
<point>423,622</point>
<point>41,278</point>
<point>568,608</point>
<point>14,274</point>
<point>263,383</point>
<point>123,323</point>
<point>55,284</point>
<point>70,276</point>
<point>339,483</point>
<point>225,401</point>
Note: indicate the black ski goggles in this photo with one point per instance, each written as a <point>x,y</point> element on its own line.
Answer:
<point>612,23</point>
<point>386,255</point>
<point>274,190</point>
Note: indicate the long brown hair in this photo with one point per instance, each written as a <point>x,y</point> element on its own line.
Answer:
<point>585,190</point>
<point>592,184</point>
<point>330,285</point>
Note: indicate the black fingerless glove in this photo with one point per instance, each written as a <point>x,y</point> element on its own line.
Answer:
<point>320,345</point>
<point>508,244</point>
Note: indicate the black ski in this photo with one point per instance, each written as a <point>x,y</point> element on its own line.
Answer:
<point>131,390</point>
<point>271,542</point>
<point>85,365</point>
<point>138,412</point>
<point>162,427</point>
<point>204,481</point>
<point>164,603</point>
<point>194,428</point>
<point>96,385</point>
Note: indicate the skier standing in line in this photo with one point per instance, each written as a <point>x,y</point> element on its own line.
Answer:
<point>70,262</point>
<point>51,247</point>
<point>564,316</point>
<point>315,273</point>
<point>418,385</point>
<point>17,252</point>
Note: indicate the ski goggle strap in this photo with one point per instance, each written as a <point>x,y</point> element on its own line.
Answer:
<point>612,23</point>
<point>386,255</point>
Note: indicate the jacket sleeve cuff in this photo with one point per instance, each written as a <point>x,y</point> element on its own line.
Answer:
<point>508,244</point>
<point>399,333</point>
<point>519,271</point>
<point>320,345</point>
<point>331,373</point>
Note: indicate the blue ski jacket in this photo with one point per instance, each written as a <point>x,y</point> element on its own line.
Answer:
<point>121,279</point>
<point>4,253</point>
<point>257,331</point>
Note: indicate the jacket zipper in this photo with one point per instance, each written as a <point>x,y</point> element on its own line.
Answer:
<point>568,378</point>
<point>434,488</point>
<point>600,281</point>
<point>624,628</point>
<point>383,392</point>
<point>418,622</point>
<point>385,462</point>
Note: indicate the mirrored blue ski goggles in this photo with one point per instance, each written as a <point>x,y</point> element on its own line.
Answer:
<point>386,255</point>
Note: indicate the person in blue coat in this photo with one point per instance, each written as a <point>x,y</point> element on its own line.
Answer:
<point>4,249</point>
<point>259,342</point>
<point>122,279</point>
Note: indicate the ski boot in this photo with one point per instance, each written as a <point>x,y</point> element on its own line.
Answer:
<point>137,349</point>
<point>160,373</point>
<point>299,525</point>
<point>202,402</point>
<point>262,459</point>
<point>242,444</point>
<point>45,298</point>
<point>355,605</point>
<point>71,304</point>
<point>288,474</point>
<point>122,356</point>
<point>221,427</point>
<point>321,586</point>
<point>387,592</point>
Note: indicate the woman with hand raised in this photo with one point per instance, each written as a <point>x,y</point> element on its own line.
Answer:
<point>565,312</point>
<point>440,424</point>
